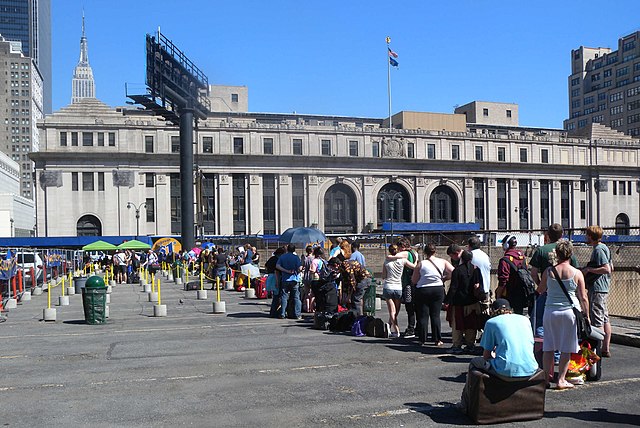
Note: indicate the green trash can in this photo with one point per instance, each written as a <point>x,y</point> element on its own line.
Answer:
<point>94,300</point>
<point>370,300</point>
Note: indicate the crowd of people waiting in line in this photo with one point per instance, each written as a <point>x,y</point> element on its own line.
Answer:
<point>320,282</point>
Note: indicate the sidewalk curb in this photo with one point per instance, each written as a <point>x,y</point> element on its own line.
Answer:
<point>625,339</point>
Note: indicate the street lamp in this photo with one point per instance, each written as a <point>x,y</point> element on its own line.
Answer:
<point>392,198</point>
<point>137,208</point>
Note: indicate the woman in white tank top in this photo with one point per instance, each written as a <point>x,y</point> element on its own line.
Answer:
<point>392,290</point>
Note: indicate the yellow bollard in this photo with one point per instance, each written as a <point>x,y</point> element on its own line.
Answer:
<point>218,287</point>
<point>153,281</point>
<point>186,275</point>
<point>111,269</point>
<point>159,297</point>
<point>49,297</point>
<point>248,279</point>
<point>63,286</point>
<point>201,279</point>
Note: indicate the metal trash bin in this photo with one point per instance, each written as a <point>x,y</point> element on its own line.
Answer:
<point>369,300</point>
<point>79,283</point>
<point>94,300</point>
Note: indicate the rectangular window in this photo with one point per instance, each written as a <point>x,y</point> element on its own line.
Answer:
<point>150,209</point>
<point>175,144</point>
<point>629,188</point>
<point>269,203</point>
<point>112,139</point>
<point>575,81</point>
<point>353,148</point>
<point>87,181</point>
<point>478,187</point>
<point>149,179</point>
<point>74,138</point>
<point>63,138</point>
<point>101,182</point>
<point>411,150</point>
<point>207,144</point>
<point>431,151</point>
<point>544,155</point>
<point>239,204</point>
<point>267,146</point>
<point>148,143</point>
<point>583,210</point>
<point>296,146</point>
<point>502,154</point>
<point>87,139</point>
<point>622,188</point>
<point>175,211</point>
<point>565,204</point>
<point>509,113</point>
<point>485,112</point>
<point>455,152</point>
<point>297,193</point>
<point>208,203</point>
<point>523,203</point>
<point>101,139</point>
<point>479,153</point>
<point>375,149</point>
<point>325,147</point>
<point>523,154</point>
<point>238,146</point>
<point>544,203</point>
<point>74,181</point>
<point>501,191</point>
<point>234,98</point>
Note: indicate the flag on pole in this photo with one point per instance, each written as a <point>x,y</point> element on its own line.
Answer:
<point>393,62</point>
<point>392,53</point>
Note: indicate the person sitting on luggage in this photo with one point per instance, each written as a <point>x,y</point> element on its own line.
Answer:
<point>507,344</point>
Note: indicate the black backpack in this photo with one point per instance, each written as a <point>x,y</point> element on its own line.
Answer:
<point>523,279</point>
<point>325,274</point>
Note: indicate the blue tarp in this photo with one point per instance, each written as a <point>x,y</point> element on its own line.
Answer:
<point>431,227</point>
<point>67,241</point>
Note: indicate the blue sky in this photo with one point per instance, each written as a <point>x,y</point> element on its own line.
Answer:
<point>330,57</point>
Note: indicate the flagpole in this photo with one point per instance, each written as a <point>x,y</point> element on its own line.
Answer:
<point>389,82</point>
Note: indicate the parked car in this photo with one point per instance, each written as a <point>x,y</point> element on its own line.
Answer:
<point>27,261</point>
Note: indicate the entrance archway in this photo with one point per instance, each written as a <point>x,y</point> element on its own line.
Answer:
<point>394,204</point>
<point>340,210</point>
<point>622,224</point>
<point>89,225</point>
<point>443,205</point>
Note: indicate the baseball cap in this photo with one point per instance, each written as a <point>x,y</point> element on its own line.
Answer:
<point>500,304</point>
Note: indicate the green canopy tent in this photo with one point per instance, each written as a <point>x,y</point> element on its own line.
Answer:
<point>99,246</point>
<point>134,244</point>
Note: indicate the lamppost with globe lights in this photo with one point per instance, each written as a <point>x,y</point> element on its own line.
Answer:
<point>137,208</point>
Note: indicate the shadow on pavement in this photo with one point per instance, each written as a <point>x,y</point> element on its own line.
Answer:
<point>598,415</point>
<point>461,378</point>
<point>249,315</point>
<point>441,413</point>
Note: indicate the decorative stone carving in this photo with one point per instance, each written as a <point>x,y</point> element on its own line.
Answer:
<point>254,179</point>
<point>393,179</point>
<point>313,179</point>
<point>468,182</point>
<point>322,179</point>
<point>556,184</point>
<point>393,148</point>
<point>369,181</point>
<point>161,179</point>
<point>123,178</point>
<point>420,181</point>
<point>357,180</point>
<point>224,179</point>
<point>50,179</point>
<point>284,179</point>
<point>514,184</point>
<point>535,184</point>
<point>340,179</point>
<point>576,185</point>
<point>491,183</point>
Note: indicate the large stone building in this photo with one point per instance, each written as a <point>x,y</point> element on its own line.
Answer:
<point>604,87</point>
<point>261,173</point>
<point>17,214</point>
<point>20,109</point>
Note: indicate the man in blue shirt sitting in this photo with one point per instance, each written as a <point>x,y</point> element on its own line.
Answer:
<point>290,265</point>
<point>507,344</point>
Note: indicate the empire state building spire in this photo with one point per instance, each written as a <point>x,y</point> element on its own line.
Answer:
<point>82,85</point>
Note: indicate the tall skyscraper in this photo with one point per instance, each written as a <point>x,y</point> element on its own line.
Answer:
<point>82,85</point>
<point>29,22</point>
<point>604,87</point>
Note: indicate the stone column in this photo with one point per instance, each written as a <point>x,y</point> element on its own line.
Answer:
<point>555,202</point>
<point>513,198</point>
<point>255,203</point>
<point>225,204</point>
<point>534,208</point>
<point>469,201</point>
<point>313,201</point>
<point>492,204</point>
<point>284,197</point>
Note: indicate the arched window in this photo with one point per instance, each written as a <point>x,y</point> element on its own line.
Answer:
<point>443,205</point>
<point>394,204</point>
<point>340,210</point>
<point>89,225</point>
<point>622,224</point>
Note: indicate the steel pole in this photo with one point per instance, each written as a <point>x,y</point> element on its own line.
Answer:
<point>186,178</point>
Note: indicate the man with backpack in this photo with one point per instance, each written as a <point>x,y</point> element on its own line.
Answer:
<point>514,281</point>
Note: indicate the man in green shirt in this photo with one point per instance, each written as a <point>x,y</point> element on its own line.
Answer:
<point>597,276</point>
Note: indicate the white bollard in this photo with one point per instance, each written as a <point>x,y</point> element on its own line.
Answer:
<point>228,285</point>
<point>153,297</point>
<point>249,293</point>
<point>11,304</point>
<point>71,291</point>
<point>49,314</point>
<point>37,291</point>
<point>170,277</point>
<point>109,289</point>
<point>106,311</point>
<point>159,310</point>
<point>63,300</point>
<point>142,282</point>
<point>147,288</point>
<point>108,298</point>
<point>112,282</point>
<point>26,296</point>
<point>219,307</point>
<point>178,281</point>
<point>202,294</point>
<point>378,304</point>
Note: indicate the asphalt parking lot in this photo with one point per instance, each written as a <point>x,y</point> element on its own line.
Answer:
<point>245,369</point>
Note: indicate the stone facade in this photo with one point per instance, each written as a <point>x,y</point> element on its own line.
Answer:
<point>262,173</point>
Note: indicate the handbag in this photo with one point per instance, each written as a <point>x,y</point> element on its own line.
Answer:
<point>583,327</point>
